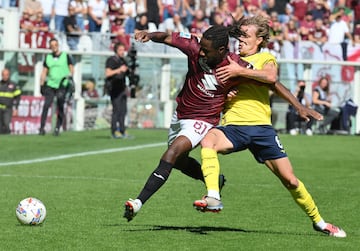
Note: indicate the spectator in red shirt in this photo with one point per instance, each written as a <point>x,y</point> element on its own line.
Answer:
<point>26,30</point>
<point>199,24</point>
<point>119,35</point>
<point>42,31</point>
<point>306,26</point>
<point>318,34</point>
<point>300,8</point>
<point>356,33</point>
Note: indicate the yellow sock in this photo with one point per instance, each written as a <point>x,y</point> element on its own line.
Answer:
<point>211,169</point>
<point>306,202</point>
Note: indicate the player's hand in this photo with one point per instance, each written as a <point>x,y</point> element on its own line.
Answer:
<point>231,94</point>
<point>142,36</point>
<point>229,71</point>
<point>308,113</point>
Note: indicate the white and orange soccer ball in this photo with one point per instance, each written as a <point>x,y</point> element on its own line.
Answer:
<point>31,211</point>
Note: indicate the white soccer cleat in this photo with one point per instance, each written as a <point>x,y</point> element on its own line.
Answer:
<point>331,230</point>
<point>208,204</point>
<point>131,209</point>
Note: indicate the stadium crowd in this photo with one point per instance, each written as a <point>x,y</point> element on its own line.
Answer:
<point>320,21</point>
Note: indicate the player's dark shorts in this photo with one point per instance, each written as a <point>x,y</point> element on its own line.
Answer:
<point>262,141</point>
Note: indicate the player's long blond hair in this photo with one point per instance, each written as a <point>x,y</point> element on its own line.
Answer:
<point>259,21</point>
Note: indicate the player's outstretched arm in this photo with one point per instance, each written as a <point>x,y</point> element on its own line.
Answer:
<point>158,37</point>
<point>304,112</point>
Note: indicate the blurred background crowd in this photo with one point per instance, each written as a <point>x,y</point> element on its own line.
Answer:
<point>320,21</point>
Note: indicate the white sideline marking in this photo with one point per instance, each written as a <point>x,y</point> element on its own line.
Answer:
<point>67,156</point>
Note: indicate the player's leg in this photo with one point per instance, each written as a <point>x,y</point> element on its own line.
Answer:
<point>283,170</point>
<point>214,141</point>
<point>189,166</point>
<point>60,96</point>
<point>49,95</point>
<point>159,176</point>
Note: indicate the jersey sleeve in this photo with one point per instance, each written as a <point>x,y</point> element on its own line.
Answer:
<point>185,42</point>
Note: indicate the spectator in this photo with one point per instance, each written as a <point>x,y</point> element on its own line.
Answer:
<point>322,104</point>
<point>174,24</point>
<point>186,10</point>
<point>318,34</point>
<point>115,10</point>
<point>356,33</point>
<point>26,30</point>
<point>276,35</point>
<point>347,14</point>
<point>130,14</point>
<point>222,14</point>
<point>306,26</point>
<point>33,7</point>
<point>9,101</point>
<point>57,67</point>
<point>321,10</point>
<point>90,94</point>
<point>80,12</point>
<point>168,8</point>
<point>280,7</point>
<point>291,32</point>
<point>119,34</point>
<point>153,11</point>
<point>41,29</point>
<point>293,120</point>
<point>97,14</point>
<point>61,11</point>
<point>200,24</point>
<point>339,30</point>
<point>299,9</point>
<point>47,6</point>
<point>142,23</point>
<point>72,29</point>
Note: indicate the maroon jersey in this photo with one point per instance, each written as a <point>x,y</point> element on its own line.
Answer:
<point>203,95</point>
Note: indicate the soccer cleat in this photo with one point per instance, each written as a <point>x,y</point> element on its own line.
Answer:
<point>56,132</point>
<point>331,230</point>
<point>131,209</point>
<point>117,135</point>
<point>42,132</point>
<point>208,204</point>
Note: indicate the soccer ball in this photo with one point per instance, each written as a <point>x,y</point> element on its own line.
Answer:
<point>31,211</point>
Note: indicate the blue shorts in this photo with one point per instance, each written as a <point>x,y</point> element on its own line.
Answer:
<point>262,141</point>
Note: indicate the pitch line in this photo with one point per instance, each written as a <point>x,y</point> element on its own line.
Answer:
<point>67,156</point>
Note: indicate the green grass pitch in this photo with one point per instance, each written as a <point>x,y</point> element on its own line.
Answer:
<point>84,178</point>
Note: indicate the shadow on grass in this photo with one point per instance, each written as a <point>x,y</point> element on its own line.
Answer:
<point>204,229</point>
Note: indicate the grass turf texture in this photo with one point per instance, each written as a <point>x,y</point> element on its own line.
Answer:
<point>84,196</point>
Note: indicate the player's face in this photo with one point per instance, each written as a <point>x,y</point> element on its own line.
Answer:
<point>208,54</point>
<point>249,42</point>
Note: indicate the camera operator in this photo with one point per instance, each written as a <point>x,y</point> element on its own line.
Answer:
<point>116,70</point>
<point>133,77</point>
<point>292,117</point>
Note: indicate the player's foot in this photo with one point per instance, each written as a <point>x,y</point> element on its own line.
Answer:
<point>42,132</point>
<point>222,181</point>
<point>131,209</point>
<point>56,132</point>
<point>208,204</point>
<point>117,135</point>
<point>331,230</point>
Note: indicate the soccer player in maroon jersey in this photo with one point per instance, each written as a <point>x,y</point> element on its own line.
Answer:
<point>200,103</point>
